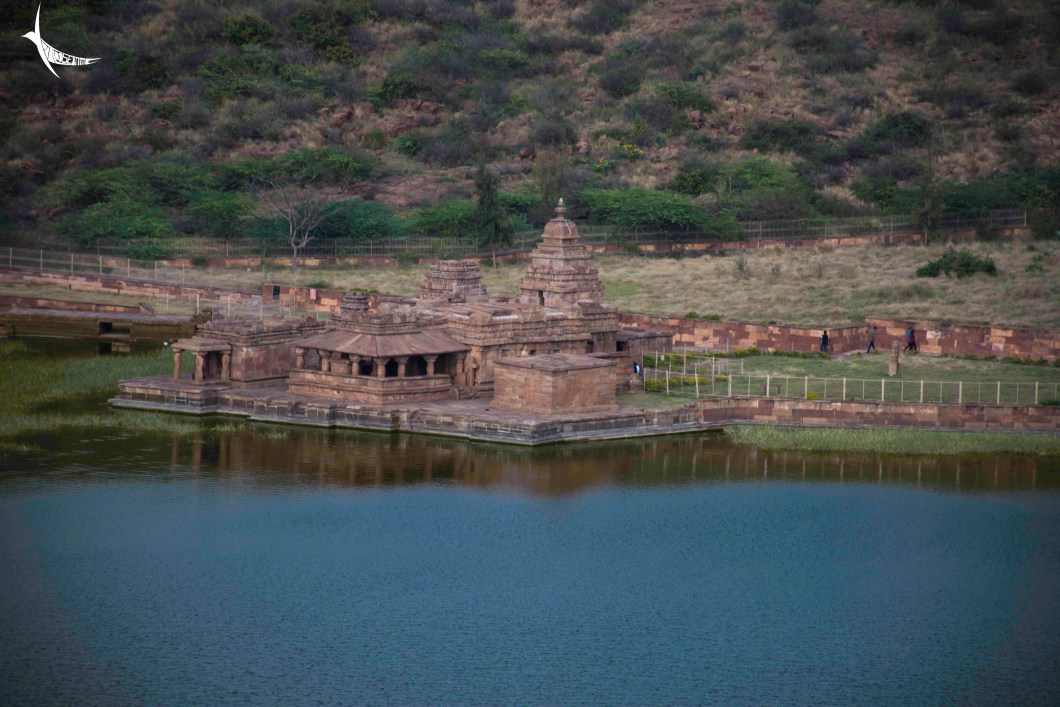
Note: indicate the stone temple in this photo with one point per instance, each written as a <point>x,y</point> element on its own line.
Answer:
<point>554,349</point>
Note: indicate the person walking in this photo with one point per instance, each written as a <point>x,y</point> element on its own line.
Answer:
<point>908,337</point>
<point>824,341</point>
<point>872,340</point>
<point>912,340</point>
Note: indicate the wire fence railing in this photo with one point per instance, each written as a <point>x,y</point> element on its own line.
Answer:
<point>411,246</point>
<point>701,380</point>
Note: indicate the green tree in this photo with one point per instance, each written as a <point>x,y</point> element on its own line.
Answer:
<point>491,221</point>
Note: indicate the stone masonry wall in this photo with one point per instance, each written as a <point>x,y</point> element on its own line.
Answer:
<point>124,286</point>
<point>932,337</point>
<point>838,413</point>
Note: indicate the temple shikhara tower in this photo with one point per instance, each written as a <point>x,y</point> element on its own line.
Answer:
<point>559,274</point>
<point>554,349</point>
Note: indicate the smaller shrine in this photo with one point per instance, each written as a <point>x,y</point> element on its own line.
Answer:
<point>555,384</point>
<point>242,353</point>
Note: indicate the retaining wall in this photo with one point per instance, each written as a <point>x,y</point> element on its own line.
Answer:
<point>932,337</point>
<point>840,413</point>
<point>122,286</point>
<point>69,305</point>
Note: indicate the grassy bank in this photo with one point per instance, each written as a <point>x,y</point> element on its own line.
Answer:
<point>797,286</point>
<point>874,366</point>
<point>879,441</point>
<point>46,394</point>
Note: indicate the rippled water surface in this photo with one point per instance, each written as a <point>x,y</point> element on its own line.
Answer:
<point>276,566</point>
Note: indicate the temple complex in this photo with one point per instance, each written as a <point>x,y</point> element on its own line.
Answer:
<point>554,350</point>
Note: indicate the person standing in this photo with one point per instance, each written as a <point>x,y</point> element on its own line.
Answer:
<point>824,341</point>
<point>908,337</point>
<point>912,340</point>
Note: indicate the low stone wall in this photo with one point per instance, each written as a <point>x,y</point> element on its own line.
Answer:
<point>726,336</point>
<point>839,413</point>
<point>932,337</point>
<point>69,305</point>
<point>972,339</point>
<point>123,286</point>
<point>104,326</point>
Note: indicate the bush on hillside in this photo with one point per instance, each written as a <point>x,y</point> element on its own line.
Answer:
<point>793,14</point>
<point>769,135</point>
<point>604,16</point>
<point>961,263</point>
<point>830,51</point>
<point>895,131</point>
<point>642,209</point>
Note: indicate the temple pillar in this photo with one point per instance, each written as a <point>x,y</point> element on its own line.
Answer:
<point>461,370</point>
<point>226,366</point>
<point>341,365</point>
<point>200,362</point>
<point>430,364</point>
<point>325,361</point>
<point>355,365</point>
<point>177,355</point>
<point>380,367</point>
<point>299,358</point>
<point>402,362</point>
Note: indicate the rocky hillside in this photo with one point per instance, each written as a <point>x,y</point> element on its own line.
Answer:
<point>665,114</point>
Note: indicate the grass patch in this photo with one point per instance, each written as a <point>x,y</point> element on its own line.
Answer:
<point>904,442</point>
<point>48,394</point>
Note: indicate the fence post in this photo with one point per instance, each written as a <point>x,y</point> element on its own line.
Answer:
<point>767,386</point>
<point>999,392</point>
<point>844,388</point>
<point>729,379</point>
<point>101,266</point>
<point>1035,392</point>
<point>883,387</point>
<point>960,391</point>
<point>695,372</point>
<point>667,381</point>
<point>128,267</point>
<point>921,390</point>
<point>42,261</point>
<point>806,387</point>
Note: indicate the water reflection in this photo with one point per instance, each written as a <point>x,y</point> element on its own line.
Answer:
<point>275,456</point>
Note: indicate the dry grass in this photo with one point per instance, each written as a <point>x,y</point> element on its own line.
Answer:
<point>803,286</point>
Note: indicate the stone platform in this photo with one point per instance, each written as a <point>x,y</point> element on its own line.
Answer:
<point>472,418</point>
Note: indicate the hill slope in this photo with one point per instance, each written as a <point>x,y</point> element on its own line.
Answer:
<point>660,114</point>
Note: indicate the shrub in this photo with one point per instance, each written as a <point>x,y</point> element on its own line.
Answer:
<point>643,209</point>
<point>696,178</point>
<point>988,231</point>
<point>604,16</point>
<point>778,135</point>
<point>1032,82</point>
<point>793,14</point>
<point>361,220</point>
<point>829,51</point>
<point>141,71</point>
<point>895,131</point>
<point>961,263</point>
<point>621,76</point>
<point>407,145</point>
<point>451,219</point>
<point>685,94</point>
<point>549,133</point>
<point>249,29</point>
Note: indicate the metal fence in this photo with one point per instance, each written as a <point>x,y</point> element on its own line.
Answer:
<point>699,380</point>
<point>422,246</point>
